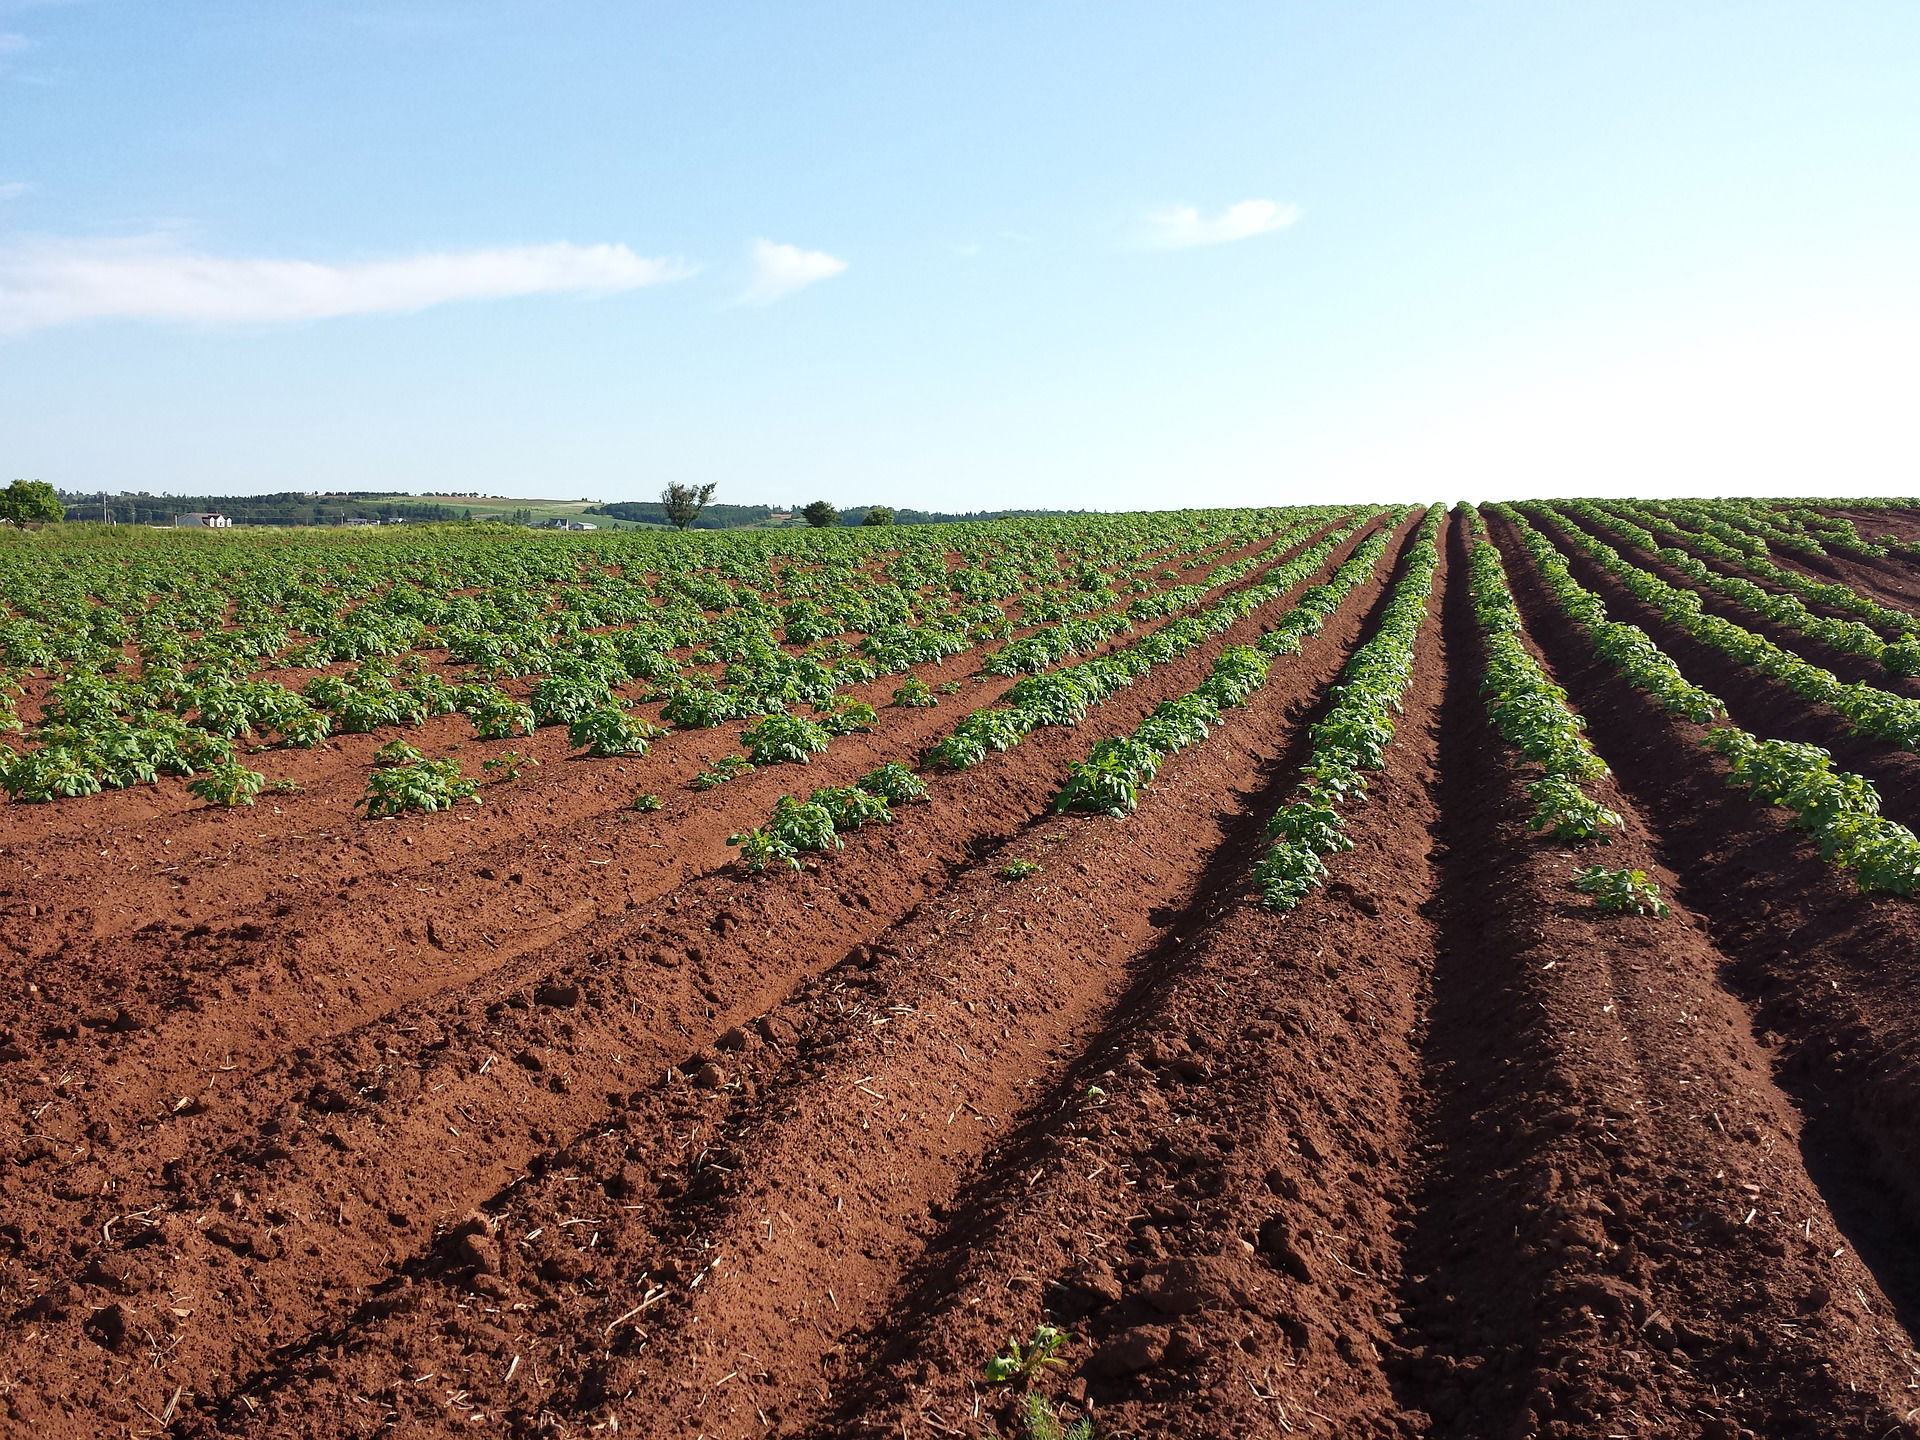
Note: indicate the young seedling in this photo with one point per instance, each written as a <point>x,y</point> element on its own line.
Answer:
<point>508,764</point>
<point>913,693</point>
<point>426,785</point>
<point>228,784</point>
<point>397,752</point>
<point>1625,892</point>
<point>1023,1363</point>
<point>608,730</point>
<point>647,804</point>
<point>894,783</point>
<point>849,717</point>
<point>785,739</point>
<point>727,767</point>
<point>1018,869</point>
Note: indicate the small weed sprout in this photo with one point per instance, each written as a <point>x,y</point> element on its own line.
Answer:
<point>1041,1421</point>
<point>1018,869</point>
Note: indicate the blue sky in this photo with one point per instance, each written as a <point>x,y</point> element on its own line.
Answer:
<point>1111,255</point>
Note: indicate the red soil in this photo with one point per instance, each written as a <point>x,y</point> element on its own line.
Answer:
<point>550,1119</point>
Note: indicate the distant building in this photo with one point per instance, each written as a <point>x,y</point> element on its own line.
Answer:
<point>583,525</point>
<point>357,520</point>
<point>204,520</point>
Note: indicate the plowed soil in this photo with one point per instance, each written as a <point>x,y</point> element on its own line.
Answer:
<point>544,1119</point>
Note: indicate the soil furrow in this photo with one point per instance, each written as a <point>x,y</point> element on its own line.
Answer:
<point>898,1069</point>
<point>1758,702</point>
<point>442,1103</point>
<point>1204,1200</point>
<point>162,1008</point>
<point>1613,1232</point>
<point>1807,953</point>
<point>149,865</point>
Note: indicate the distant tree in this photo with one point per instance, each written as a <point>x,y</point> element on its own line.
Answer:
<point>820,515</point>
<point>683,503</point>
<point>878,515</point>
<point>31,502</point>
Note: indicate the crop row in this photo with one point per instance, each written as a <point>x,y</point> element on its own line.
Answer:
<point>1867,709</point>
<point>1839,810</point>
<point>1060,697</point>
<point>1531,712</point>
<point>1709,543</point>
<point>101,730</point>
<point>1787,611</point>
<point>1116,770</point>
<point>1353,737</point>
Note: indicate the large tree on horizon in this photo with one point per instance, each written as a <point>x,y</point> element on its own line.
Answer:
<point>683,503</point>
<point>31,502</point>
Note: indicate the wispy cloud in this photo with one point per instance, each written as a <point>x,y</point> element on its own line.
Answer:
<point>13,189</point>
<point>779,270</point>
<point>1183,226</point>
<point>48,282</point>
<point>12,42</point>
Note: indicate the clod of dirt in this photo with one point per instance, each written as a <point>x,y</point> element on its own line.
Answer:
<point>1277,1243</point>
<point>111,1326</point>
<point>774,1030</point>
<point>564,1267</point>
<point>558,997</point>
<point>112,1272</point>
<point>1130,1352</point>
<point>733,1038</point>
<point>709,1076</point>
<point>1086,1288</point>
<point>1607,1297</point>
<point>230,1236</point>
<point>482,1252</point>
<point>1181,1287</point>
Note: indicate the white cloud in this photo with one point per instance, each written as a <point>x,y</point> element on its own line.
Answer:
<point>50,282</point>
<point>14,189</point>
<point>1182,226</point>
<point>779,270</point>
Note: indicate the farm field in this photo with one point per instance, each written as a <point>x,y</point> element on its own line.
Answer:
<point>1347,971</point>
